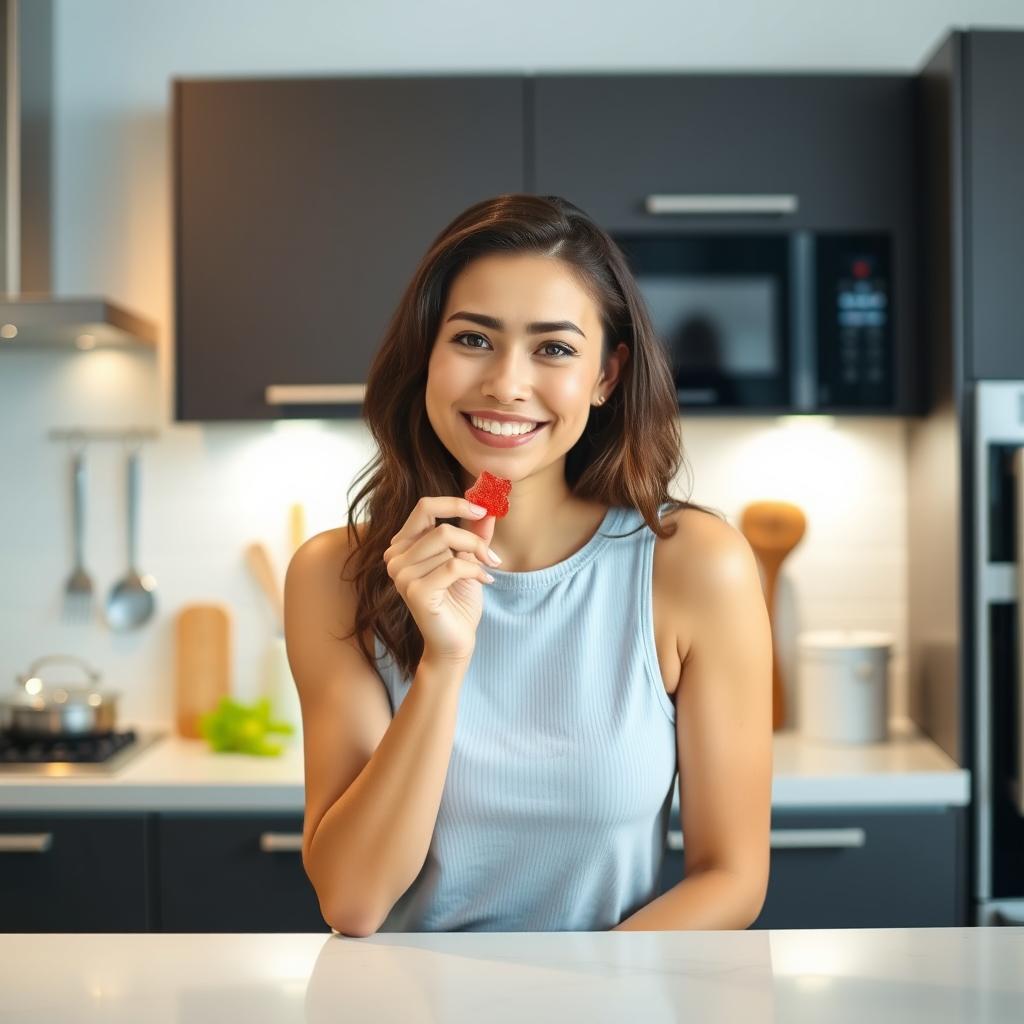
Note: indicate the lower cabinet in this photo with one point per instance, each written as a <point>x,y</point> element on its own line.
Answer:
<point>207,872</point>
<point>139,872</point>
<point>76,873</point>
<point>858,868</point>
<point>234,873</point>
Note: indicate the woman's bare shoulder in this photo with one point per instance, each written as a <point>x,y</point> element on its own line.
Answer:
<point>317,586</point>
<point>326,551</point>
<point>704,551</point>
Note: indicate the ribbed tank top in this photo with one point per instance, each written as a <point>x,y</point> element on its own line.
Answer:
<point>556,802</point>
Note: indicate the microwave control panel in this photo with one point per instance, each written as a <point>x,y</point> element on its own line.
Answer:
<point>855,337</point>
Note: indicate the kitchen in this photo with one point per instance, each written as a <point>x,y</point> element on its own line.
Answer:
<point>147,210</point>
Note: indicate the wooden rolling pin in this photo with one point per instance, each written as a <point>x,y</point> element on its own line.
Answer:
<point>773,529</point>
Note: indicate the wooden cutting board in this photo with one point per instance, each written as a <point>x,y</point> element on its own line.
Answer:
<point>203,649</point>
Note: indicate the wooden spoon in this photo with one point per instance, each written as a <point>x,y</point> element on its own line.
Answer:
<point>773,529</point>
<point>262,567</point>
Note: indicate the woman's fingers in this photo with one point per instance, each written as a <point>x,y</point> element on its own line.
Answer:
<point>428,510</point>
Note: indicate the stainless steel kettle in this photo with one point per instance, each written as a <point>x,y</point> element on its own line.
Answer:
<point>59,709</point>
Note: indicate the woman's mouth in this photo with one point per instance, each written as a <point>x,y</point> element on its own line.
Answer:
<point>502,440</point>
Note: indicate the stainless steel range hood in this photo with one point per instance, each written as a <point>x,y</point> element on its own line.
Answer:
<point>29,313</point>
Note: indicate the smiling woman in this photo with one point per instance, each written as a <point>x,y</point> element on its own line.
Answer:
<point>499,752</point>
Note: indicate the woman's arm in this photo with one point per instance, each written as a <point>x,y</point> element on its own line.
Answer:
<point>372,842</point>
<point>723,736</point>
<point>373,782</point>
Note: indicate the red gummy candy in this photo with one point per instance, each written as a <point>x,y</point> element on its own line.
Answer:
<point>492,493</point>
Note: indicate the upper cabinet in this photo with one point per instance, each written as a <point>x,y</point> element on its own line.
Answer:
<point>837,147</point>
<point>992,86</point>
<point>302,208</point>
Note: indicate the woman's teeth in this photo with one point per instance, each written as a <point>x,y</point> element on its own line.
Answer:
<point>505,429</point>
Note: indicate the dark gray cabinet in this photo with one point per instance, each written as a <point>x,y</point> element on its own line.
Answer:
<point>993,84</point>
<point>302,208</point>
<point>75,873</point>
<point>843,145</point>
<point>234,873</point>
<point>973,207</point>
<point>860,868</point>
<point>242,872</point>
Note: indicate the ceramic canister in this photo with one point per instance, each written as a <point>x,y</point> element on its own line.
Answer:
<point>844,685</point>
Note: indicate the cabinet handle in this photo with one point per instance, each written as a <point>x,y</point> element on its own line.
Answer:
<point>799,838</point>
<point>281,842</point>
<point>722,204</point>
<point>315,394</point>
<point>26,842</point>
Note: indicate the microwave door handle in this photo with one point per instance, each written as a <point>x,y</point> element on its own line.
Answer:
<point>1018,484</point>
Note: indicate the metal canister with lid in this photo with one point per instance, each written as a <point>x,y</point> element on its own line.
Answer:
<point>844,685</point>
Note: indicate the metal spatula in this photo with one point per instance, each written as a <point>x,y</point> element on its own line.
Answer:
<point>78,591</point>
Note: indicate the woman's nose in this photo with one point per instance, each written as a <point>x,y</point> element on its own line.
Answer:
<point>509,377</point>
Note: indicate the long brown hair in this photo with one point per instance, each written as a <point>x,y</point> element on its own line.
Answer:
<point>628,453</point>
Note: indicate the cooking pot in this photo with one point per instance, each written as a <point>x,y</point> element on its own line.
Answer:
<point>57,709</point>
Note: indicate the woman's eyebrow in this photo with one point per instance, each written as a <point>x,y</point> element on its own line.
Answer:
<point>542,327</point>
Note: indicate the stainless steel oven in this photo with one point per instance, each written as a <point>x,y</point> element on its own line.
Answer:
<point>998,676</point>
<point>772,322</point>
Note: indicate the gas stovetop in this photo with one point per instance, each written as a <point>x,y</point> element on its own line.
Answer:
<point>101,754</point>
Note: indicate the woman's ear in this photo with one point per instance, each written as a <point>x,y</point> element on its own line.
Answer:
<point>614,364</point>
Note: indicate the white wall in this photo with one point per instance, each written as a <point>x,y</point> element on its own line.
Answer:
<point>207,491</point>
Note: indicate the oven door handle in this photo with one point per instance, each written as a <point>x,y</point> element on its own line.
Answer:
<point>1018,485</point>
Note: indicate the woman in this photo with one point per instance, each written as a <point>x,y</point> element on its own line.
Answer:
<point>498,752</point>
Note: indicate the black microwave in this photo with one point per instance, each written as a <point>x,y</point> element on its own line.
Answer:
<point>797,322</point>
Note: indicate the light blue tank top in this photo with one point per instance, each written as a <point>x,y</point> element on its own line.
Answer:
<point>557,798</point>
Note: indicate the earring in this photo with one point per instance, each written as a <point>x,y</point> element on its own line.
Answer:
<point>600,399</point>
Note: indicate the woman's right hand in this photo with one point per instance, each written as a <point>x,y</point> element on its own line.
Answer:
<point>438,572</point>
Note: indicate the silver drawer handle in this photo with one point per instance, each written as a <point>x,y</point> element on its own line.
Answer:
<point>281,842</point>
<point>27,842</point>
<point>315,394</point>
<point>727,204</point>
<point>799,838</point>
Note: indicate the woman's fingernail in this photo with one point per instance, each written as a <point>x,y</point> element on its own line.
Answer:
<point>477,510</point>
<point>493,557</point>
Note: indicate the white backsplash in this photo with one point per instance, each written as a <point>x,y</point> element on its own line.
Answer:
<point>208,490</point>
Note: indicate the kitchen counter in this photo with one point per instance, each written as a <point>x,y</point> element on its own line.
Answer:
<point>930,975</point>
<point>180,774</point>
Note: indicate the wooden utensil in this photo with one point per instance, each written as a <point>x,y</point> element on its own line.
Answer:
<point>297,525</point>
<point>258,558</point>
<point>773,529</point>
<point>203,663</point>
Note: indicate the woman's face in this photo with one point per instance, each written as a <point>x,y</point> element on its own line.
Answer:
<point>550,375</point>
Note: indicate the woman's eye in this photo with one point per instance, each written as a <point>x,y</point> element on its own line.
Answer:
<point>563,350</point>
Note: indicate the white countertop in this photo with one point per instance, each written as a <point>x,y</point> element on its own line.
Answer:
<point>931,975</point>
<point>180,774</point>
